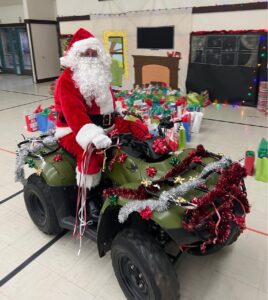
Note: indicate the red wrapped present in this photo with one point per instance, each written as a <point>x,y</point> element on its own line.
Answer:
<point>31,122</point>
<point>249,162</point>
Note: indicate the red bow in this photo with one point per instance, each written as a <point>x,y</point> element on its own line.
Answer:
<point>151,171</point>
<point>146,213</point>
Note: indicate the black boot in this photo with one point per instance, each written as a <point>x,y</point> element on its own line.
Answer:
<point>93,209</point>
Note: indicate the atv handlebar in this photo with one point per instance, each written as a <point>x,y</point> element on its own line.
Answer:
<point>166,123</point>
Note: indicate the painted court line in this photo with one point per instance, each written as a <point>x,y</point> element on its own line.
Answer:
<point>244,124</point>
<point>10,197</point>
<point>8,91</point>
<point>8,151</point>
<point>257,231</point>
<point>30,259</point>
<point>8,108</point>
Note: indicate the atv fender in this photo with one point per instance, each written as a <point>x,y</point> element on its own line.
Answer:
<point>57,173</point>
<point>170,221</point>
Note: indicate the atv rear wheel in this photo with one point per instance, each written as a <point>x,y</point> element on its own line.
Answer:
<point>38,200</point>
<point>142,268</point>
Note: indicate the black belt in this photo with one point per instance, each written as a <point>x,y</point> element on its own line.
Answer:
<point>105,121</point>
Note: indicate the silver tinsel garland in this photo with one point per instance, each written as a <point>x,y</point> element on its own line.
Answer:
<point>32,146</point>
<point>171,196</point>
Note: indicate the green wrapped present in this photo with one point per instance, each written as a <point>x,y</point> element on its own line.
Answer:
<point>261,173</point>
<point>182,138</point>
<point>263,148</point>
<point>195,99</point>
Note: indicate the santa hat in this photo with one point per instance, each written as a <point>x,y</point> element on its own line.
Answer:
<point>80,42</point>
<point>81,34</point>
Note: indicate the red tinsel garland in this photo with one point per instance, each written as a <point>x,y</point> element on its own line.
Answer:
<point>217,220</point>
<point>140,193</point>
<point>228,190</point>
<point>176,170</point>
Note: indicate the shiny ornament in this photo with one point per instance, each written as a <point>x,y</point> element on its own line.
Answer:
<point>180,200</point>
<point>113,200</point>
<point>179,180</point>
<point>146,182</point>
<point>174,161</point>
<point>146,213</point>
<point>31,163</point>
<point>57,157</point>
<point>151,171</point>
<point>39,171</point>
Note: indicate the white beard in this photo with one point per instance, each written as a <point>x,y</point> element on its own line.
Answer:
<point>92,77</point>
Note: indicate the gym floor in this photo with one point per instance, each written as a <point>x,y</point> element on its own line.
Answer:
<point>237,272</point>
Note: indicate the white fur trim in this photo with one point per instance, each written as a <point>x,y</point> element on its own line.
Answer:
<point>83,45</point>
<point>63,61</point>
<point>62,131</point>
<point>87,133</point>
<point>106,103</point>
<point>90,180</point>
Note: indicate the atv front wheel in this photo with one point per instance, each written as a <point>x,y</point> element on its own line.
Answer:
<point>38,200</point>
<point>142,268</point>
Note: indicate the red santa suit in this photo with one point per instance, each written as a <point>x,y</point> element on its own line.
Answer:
<point>85,104</point>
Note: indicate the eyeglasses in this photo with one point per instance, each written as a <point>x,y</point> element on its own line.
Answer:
<point>89,53</point>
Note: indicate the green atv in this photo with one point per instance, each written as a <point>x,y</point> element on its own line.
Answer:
<point>154,206</point>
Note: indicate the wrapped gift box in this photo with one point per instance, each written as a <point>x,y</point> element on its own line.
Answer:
<point>31,122</point>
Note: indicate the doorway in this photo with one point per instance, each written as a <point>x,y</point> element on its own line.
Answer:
<point>15,51</point>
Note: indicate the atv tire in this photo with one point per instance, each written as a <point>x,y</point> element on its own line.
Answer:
<point>142,268</point>
<point>38,200</point>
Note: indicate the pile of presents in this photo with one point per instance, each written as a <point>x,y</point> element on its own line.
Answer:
<point>152,103</point>
<point>41,119</point>
<point>261,165</point>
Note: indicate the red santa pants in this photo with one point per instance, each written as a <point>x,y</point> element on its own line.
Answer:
<point>70,144</point>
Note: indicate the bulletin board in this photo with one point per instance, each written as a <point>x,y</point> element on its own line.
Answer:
<point>229,65</point>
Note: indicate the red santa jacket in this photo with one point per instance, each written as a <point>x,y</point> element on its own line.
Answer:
<point>73,111</point>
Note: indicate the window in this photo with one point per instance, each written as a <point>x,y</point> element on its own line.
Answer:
<point>115,43</point>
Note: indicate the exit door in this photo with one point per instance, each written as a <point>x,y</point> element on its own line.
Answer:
<point>14,51</point>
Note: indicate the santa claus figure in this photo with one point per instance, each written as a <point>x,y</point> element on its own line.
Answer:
<point>85,106</point>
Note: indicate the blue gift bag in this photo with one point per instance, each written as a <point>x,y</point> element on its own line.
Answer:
<point>42,122</point>
<point>187,127</point>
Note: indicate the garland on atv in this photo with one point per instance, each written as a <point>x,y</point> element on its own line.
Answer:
<point>222,201</point>
<point>208,188</point>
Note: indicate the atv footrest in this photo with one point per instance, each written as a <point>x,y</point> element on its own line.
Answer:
<point>90,232</point>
